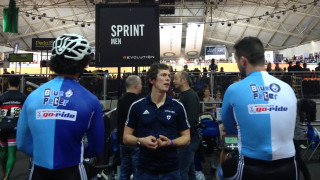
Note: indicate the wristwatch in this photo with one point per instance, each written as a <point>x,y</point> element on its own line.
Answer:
<point>138,142</point>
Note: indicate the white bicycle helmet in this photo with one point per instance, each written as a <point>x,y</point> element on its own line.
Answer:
<point>71,46</point>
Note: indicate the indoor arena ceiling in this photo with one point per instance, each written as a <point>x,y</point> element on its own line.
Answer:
<point>278,23</point>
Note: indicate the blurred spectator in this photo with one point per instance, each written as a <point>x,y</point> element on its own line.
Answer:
<point>185,68</point>
<point>290,66</point>
<point>213,66</point>
<point>269,67</point>
<point>221,69</point>
<point>277,67</point>
<point>305,67</point>
<point>208,105</point>
<point>297,67</point>
<point>318,67</point>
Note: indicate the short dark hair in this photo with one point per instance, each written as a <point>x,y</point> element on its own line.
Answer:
<point>252,49</point>
<point>14,81</point>
<point>153,72</point>
<point>61,65</point>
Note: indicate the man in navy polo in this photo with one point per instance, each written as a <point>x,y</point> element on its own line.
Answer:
<point>153,124</point>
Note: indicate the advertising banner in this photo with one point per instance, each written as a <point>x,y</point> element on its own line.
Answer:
<point>194,40</point>
<point>170,42</point>
<point>127,35</point>
<point>42,43</point>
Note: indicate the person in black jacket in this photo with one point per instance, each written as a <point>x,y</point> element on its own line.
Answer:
<point>191,103</point>
<point>129,155</point>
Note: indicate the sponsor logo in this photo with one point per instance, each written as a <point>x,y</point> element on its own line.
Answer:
<point>265,92</point>
<point>58,114</point>
<point>55,98</point>
<point>265,108</point>
<point>168,117</point>
<point>146,112</point>
<point>169,111</point>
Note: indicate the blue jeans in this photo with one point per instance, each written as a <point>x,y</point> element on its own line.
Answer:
<point>173,175</point>
<point>129,161</point>
<point>186,158</point>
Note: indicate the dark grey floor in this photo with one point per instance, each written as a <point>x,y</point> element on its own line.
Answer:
<point>21,169</point>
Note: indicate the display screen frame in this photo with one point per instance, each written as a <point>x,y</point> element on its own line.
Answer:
<point>131,50</point>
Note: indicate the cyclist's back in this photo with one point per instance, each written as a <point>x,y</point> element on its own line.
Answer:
<point>56,117</point>
<point>261,109</point>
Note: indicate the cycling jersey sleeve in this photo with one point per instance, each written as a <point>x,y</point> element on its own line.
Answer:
<point>228,119</point>
<point>95,133</point>
<point>24,137</point>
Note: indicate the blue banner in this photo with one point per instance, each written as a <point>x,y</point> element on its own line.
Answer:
<point>216,50</point>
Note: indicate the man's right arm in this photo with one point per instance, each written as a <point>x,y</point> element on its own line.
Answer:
<point>228,119</point>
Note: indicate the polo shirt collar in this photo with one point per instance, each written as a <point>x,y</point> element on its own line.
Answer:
<point>167,102</point>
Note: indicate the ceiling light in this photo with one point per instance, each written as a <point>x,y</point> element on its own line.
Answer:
<point>198,25</point>
<point>272,15</point>
<point>235,21</point>
<point>248,20</point>
<point>259,17</point>
<point>44,14</point>
<point>283,12</point>
<point>222,23</point>
<point>63,21</point>
<point>229,24</point>
<point>210,24</point>
<point>76,23</point>
<point>88,24</point>
<point>33,18</point>
<point>174,26</point>
<point>83,25</point>
<point>39,17</point>
<point>267,13</point>
<point>27,14</point>
<point>278,17</point>
<point>51,19</point>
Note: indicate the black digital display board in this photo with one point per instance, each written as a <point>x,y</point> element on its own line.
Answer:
<point>127,35</point>
<point>23,57</point>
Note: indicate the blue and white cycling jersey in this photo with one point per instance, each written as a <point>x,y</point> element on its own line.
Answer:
<point>264,110</point>
<point>53,121</point>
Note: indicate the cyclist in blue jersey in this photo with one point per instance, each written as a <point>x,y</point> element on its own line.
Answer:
<point>261,109</point>
<point>56,117</point>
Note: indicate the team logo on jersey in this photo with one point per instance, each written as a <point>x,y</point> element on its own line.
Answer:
<point>265,92</point>
<point>58,114</point>
<point>264,108</point>
<point>168,117</point>
<point>274,87</point>
<point>54,98</point>
<point>69,93</point>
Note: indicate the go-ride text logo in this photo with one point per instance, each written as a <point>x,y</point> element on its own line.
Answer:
<point>265,108</point>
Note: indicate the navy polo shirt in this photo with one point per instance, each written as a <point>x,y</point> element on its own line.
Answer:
<point>168,120</point>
